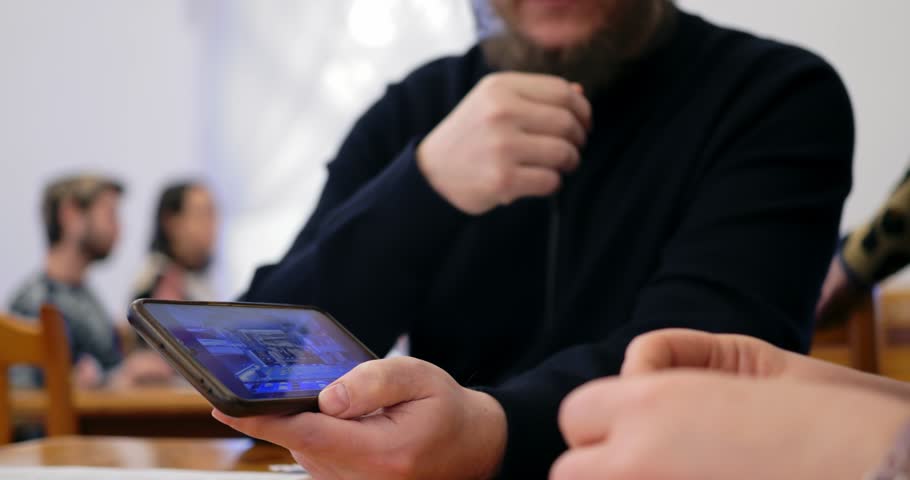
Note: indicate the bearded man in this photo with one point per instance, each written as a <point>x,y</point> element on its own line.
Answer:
<point>599,169</point>
<point>81,223</point>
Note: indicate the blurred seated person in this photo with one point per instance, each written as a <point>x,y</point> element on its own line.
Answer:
<point>182,245</point>
<point>80,219</point>
<point>867,256</point>
<point>730,406</point>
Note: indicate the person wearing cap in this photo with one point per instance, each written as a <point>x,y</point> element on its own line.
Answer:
<point>81,224</point>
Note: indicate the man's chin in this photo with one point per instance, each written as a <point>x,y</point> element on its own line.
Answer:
<point>592,63</point>
<point>97,254</point>
<point>557,38</point>
<point>100,257</point>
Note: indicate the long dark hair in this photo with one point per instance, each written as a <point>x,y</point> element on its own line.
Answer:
<point>170,203</point>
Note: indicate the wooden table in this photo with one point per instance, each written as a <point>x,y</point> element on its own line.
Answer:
<point>122,452</point>
<point>146,412</point>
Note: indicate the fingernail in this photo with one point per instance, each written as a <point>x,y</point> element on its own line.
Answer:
<point>334,400</point>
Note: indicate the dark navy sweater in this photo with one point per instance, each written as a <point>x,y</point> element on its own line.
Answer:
<point>708,197</point>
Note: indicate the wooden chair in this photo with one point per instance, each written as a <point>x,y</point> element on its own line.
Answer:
<point>44,345</point>
<point>894,327</point>
<point>855,343</point>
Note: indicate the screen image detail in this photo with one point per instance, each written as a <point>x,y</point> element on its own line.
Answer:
<point>271,352</point>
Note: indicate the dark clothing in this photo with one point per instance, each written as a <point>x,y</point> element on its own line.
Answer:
<point>88,326</point>
<point>708,197</point>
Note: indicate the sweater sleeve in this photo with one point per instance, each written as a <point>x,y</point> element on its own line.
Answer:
<point>748,257</point>
<point>881,247</point>
<point>364,253</point>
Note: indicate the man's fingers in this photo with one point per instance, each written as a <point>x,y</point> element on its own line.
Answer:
<point>378,384</point>
<point>679,348</point>
<point>666,349</point>
<point>304,432</point>
<point>587,414</point>
<point>275,429</point>
<point>542,119</point>
<point>532,182</point>
<point>547,152</point>
<point>551,90</point>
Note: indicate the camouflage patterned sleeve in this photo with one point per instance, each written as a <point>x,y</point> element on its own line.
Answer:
<point>880,248</point>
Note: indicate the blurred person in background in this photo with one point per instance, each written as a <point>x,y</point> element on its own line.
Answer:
<point>866,257</point>
<point>182,245</point>
<point>80,216</point>
<point>597,170</point>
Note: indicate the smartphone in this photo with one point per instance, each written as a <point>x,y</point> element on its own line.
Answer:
<point>250,358</point>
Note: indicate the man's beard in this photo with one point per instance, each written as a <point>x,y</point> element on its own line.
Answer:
<point>94,247</point>
<point>595,63</point>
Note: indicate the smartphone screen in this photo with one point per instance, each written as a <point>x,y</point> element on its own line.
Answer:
<point>263,352</point>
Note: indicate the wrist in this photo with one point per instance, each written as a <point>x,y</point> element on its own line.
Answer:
<point>423,166</point>
<point>487,420</point>
<point>440,178</point>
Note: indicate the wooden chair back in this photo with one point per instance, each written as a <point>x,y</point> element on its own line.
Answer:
<point>855,343</point>
<point>43,344</point>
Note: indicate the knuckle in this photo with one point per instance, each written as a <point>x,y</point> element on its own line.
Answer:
<point>634,458</point>
<point>409,364</point>
<point>578,405</point>
<point>302,435</point>
<point>254,429</point>
<point>570,155</point>
<point>565,122</point>
<point>643,344</point>
<point>493,80</point>
<point>496,112</point>
<point>649,394</point>
<point>402,464</point>
<point>563,469</point>
<point>552,181</point>
<point>565,92</point>
<point>636,350</point>
<point>627,465</point>
<point>502,180</point>
<point>502,148</point>
<point>370,378</point>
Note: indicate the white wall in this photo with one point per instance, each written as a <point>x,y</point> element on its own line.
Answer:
<point>287,78</point>
<point>253,96</point>
<point>103,85</point>
<point>867,42</point>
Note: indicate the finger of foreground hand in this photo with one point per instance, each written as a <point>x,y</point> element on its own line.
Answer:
<point>587,414</point>
<point>584,464</point>
<point>666,349</point>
